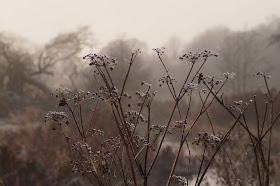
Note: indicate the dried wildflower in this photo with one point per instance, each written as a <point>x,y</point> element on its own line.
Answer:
<point>108,142</point>
<point>136,52</point>
<point>81,96</point>
<point>146,97</point>
<point>112,142</point>
<point>61,94</point>
<point>159,128</point>
<point>228,75</point>
<point>108,94</point>
<point>240,106</point>
<point>97,132</point>
<point>195,57</point>
<point>179,179</point>
<point>101,60</point>
<point>160,51</point>
<point>167,79</point>
<point>139,139</point>
<point>179,125</point>
<point>262,74</point>
<point>132,115</point>
<point>131,126</point>
<point>82,161</point>
<point>56,118</point>
<point>208,139</point>
<point>212,81</point>
<point>190,87</point>
<point>102,161</point>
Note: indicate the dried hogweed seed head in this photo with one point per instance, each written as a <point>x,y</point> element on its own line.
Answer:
<point>55,118</point>
<point>208,139</point>
<point>194,57</point>
<point>79,97</point>
<point>190,87</point>
<point>228,75</point>
<point>159,51</point>
<point>180,179</point>
<point>239,106</point>
<point>101,60</point>
<point>262,74</point>
<point>61,95</point>
<point>167,79</point>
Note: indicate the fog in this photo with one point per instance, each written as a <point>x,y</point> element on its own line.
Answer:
<point>42,45</point>
<point>150,21</point>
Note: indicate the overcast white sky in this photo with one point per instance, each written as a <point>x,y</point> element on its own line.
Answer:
<point>152,21</point>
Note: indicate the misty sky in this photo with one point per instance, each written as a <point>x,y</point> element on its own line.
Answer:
<point>152,21</point>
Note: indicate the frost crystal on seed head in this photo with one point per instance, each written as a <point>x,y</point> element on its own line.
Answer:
<point>55,118</point>
<point>61,94</point>
<point>240,106</point>
<point>180,179</point>
<point>167,79</point>
<point>228,75</point>
<point>101,60</point>
<point>160,51</point>
<point>79,97</point>
<point>207,139</point>
<point>194,57</point>
<point>190,86</point>
<point>262,74</point>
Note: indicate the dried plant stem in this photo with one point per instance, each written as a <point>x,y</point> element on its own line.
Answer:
<point>173,92</point>
<point>183,140</point>
<point>229,111</point>
<point>213,131</point>
<point>147,148</point>
<point>163,137</point>
<point>126,147</point>
<point>217,149</point>
<point>264,118</point>
<point>257,116</point>
<point>75,120</point>
<point>132,59</point>
<point>201,163</point>
<point>255,151</point>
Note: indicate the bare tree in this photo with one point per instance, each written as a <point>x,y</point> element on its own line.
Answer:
<point>22,69</point>
<point>121,49</point>
<point>242,53</point>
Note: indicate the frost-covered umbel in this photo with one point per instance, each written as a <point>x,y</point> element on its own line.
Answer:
<point>228,75</point>
<point>56,116</point>
<point>194,57</point>
<point>55,119</point>
<point>160,51</point>
<point>262,74</point>
<point>101,60</point>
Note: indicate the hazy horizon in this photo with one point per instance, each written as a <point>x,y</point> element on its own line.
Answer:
<point>153,22</point>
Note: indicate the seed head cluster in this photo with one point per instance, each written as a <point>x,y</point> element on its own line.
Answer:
<point>194,57</point>
<point>159,51</point>
<point>179,179</point>
<point>167,79</point>
<point>101,60</point>
<point>55,118</point>
<point>239,106</point>
<point>208,139</point>
<point>262,74</point>
<point>228,75</point>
